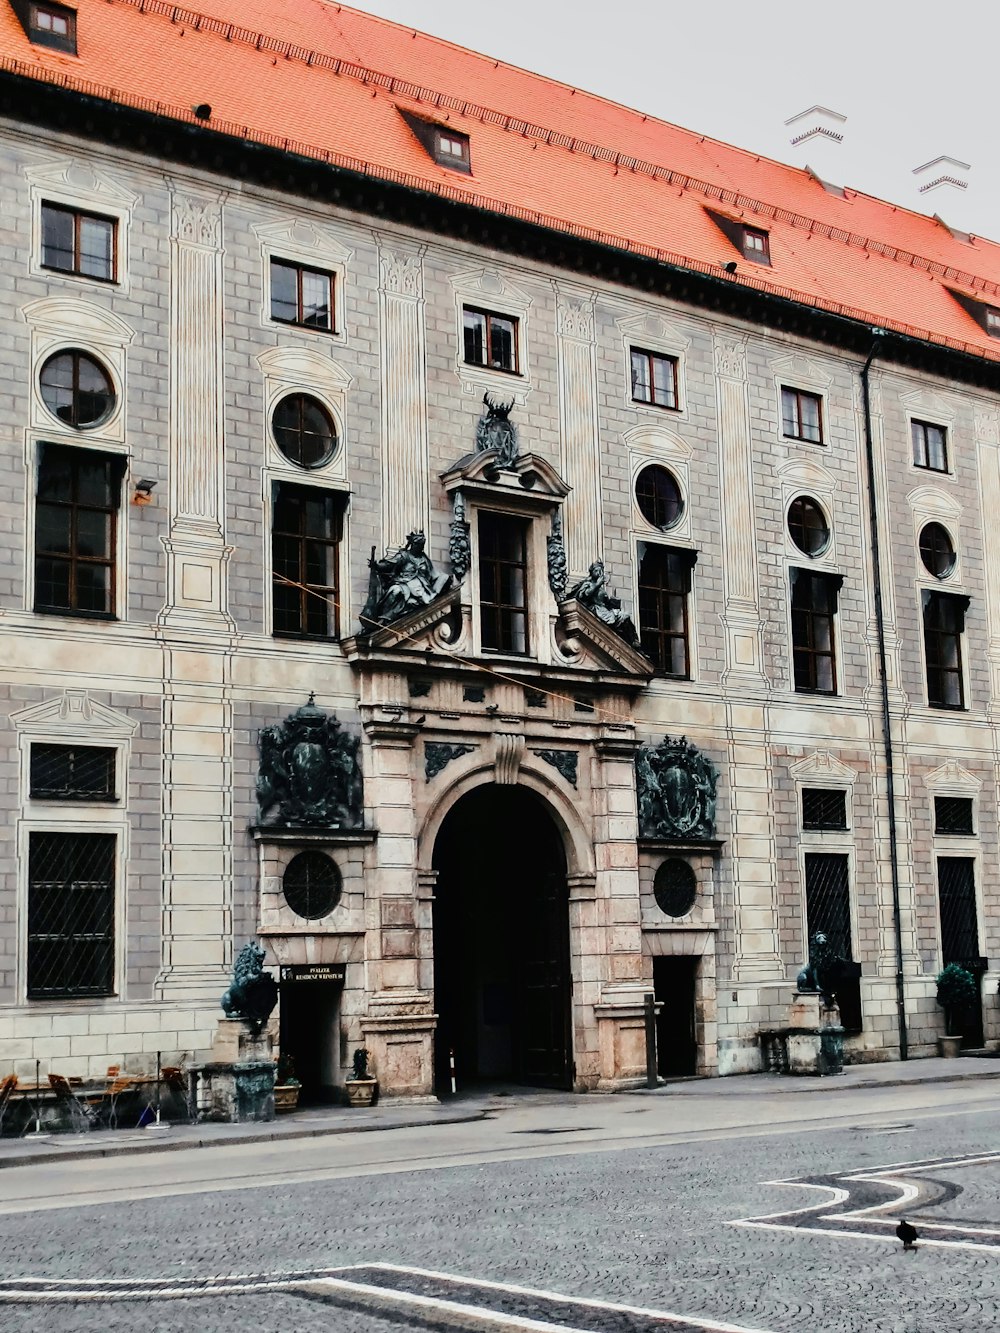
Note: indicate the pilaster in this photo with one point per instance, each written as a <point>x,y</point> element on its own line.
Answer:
<point>754,864</point>
<point>578,431</point>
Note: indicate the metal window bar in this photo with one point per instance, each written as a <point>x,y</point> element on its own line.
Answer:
<point>953,814</point>
<point>823,808</point>
<point>72,772</point>
<point>828,909</point>
<point>957,899</point>
<point>71,902</point>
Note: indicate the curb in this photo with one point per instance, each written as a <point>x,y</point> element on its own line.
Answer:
<point>828,1083</point>
<point>54,1153</point>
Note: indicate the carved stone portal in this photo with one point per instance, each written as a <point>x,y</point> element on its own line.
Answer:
<point>675,785</point>
<point>309,772</point>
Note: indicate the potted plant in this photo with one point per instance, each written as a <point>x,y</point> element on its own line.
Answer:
<point>286,1086</point>
<point>361,1089</point>
<point>956,986</point>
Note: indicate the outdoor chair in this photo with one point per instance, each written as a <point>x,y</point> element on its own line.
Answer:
<point>6,1089</point>
<point>113,1094</point>
<point>81,1116</point>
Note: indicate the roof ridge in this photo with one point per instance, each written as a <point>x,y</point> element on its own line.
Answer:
<point>447,190</point>
<point>513,124</point>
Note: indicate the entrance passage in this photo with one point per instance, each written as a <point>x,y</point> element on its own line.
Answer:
<point>310,1035</point>
<point>676,1039</point>
<point>501,943</point>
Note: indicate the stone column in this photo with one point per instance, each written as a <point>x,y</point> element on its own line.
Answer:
<point>754,862</point>
<point>578,431</point>
<point>194,628</point>
<point>405,503</point>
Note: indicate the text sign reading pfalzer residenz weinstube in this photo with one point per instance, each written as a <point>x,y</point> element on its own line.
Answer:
<point>313,972</point>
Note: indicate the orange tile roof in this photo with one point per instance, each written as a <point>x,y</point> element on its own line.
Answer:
<point>328,82</point>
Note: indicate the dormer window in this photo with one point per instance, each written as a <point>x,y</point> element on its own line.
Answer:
<point>756,245</point>
<point>992,321</point>
<point>49,25</point>
<point>986,316</point>
<point>447,146</point>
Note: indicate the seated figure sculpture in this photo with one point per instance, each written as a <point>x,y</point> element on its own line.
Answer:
<point>401,583</point>
<point>592,594</point>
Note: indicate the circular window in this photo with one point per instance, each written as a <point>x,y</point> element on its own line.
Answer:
<point>311,885</point>
<point>675,887</point>
<point>936,550</point>
<point>304,430</point>
<point>76,389</point>
<point>658,497</point>
<point>807,526</point>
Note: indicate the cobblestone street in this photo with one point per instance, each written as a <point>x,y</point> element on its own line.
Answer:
<point>627,1200</point>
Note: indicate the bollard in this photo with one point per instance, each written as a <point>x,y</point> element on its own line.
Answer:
<point>451,1068</point>
<point>649,1005</point>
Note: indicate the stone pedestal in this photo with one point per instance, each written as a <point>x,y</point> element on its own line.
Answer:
<point>237,1085</point>
<point>815,1037</point>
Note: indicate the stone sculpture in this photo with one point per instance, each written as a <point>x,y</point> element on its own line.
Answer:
<point>556,559</point>
<point>309,771</point>
<point>675,786</point>
<point>496,431</point>
<point>401,583</point>
<point>252,993</point>
<point>592,594</point>
<point>459,544</point>
<point>824,970</point>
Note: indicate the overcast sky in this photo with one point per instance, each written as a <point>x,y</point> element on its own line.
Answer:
<point>915,79</point>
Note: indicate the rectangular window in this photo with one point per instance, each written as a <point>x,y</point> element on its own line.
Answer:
<point>503,583</point>
<point>828,910</point>
<point>992,321</point>
<point>814,607</point>
<point>953,814</point>
<point>801,415</point>
<point>301,296</point>
<point>305,558</point>
<point>452,149</point>
<point>490,340</point>
<point>944,625</point>
<point>930,446</point>
<point>79,243</point>
<point>72,773</point>
<point>756,245</point>
<point>654,378</point>
<point>50,25</point>
<point>957,896</point>
<point>71,915</point>
<point>823,809</point>
<point>76,521</point>
<point>664,589</point>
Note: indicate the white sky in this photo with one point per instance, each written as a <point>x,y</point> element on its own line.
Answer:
<point>915,79</point>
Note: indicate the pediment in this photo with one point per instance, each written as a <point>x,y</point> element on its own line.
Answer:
<point>490,284</point>
<point>655,440</point>
<point>952,779</point>
<point>74,714</point>
<point>930,500</point>
<point>809,473</point>
<point>80,181</point>
<point>301,239</point>
<point>655,332</point>
<point>924,403</point>
<point>822,768</point>
<point>429,629</point>
<point>527,476</point>
<point>590,645</point>
<point>802,370</point>
<point>302,365</point>
<point>80,319</point>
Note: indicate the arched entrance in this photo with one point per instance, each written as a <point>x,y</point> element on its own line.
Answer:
<point>501,942</point>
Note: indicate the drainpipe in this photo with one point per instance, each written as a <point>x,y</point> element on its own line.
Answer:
<point>890,780</point>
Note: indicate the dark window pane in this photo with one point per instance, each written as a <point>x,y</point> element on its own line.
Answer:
<point>475,337</point>
<point>503,583</point>
<point>814,605</point>
<point>953,814</point>
<point>75,531</point>
<point>305,562</point>
<point>936,550</point>
<point>76,389</point>
<point>801,415</point>
<point>664,585</point>
<point>944,624</point>
<point>72,772</point>
<point>316,300</point>
<point>807,526</point>
<point>284,292</point>
<point>490,340</point>
<point>97,240</point>
<point>57,238</point>
<point>823,808</point>
<point>71,900</point>
<point>304,431</point>
<point>828,910</point>
<point>929,446</point>
<point>658,496</point>
<point>957,894</point>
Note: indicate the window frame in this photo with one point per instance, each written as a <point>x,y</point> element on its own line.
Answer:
<point>110,754</point>
<point>932,598</point>
<point>303,397</point>
<point>111,561</point>
<point>39,36</point>
<point>919,424</point>
<point>806,651</point>
<point>489,316</point>
<point>65,995</point>
<point>652,356</point>
<point>338,502</point>
<point>524,525</point>
<point>301,268</point>
<point>796,434</point>
<point>826,789</point>
<point>455,161</point>
<point>79,215</point>
<point>756,254</point>
<point>77,354</point>
<point>939,830</point>
<point>685,560</point>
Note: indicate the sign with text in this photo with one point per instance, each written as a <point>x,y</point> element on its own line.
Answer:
<point>313,972</point>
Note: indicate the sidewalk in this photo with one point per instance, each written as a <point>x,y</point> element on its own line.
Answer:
<point>477,1105</point>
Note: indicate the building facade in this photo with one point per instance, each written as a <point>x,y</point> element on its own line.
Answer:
<point>309,466</point>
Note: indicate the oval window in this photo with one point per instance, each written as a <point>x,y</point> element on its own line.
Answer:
<point>304,431</point>
<point>77,389</point>
<point>936,550</point>
<point>659,497</point>
<point>312,885</point>
<point>675,887</point>
<point>807,526</point>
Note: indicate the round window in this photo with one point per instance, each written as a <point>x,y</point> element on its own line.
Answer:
<point>675,887</point>
<point>936,550</point>
<point>807,526</point>
<point>304,430</point>
<point>312,885</point>
<point>659,497</point>
<point>76,389</point>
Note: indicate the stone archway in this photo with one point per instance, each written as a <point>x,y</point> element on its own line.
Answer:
<point>502,988</point>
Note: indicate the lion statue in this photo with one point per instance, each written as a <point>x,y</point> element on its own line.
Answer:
<point>253,993</point>
<point>822,970</point>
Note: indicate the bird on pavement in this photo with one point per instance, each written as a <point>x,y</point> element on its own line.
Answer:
<point>907,1234</point>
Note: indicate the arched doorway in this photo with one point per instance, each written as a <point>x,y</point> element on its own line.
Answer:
<point>501,942</point>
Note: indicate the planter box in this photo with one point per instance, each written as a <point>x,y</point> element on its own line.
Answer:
<point>361,1091</point>
<point>949,1047</point>
<point>286,1097</point>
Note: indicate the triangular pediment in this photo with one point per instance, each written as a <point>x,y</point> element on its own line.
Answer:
<point>426,630</point>
<point>82,183</point>
<point>74,715</point>
<point>590,645</point>
<point>821,767</point>
<point>300,238</point>
<point>952,779</point>
<point>527,475</point>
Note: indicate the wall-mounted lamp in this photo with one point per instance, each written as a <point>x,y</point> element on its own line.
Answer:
<point>143,492</point>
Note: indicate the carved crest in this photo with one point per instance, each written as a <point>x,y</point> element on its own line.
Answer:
<point>496,431</point>
<point>309,772</point>
<point>675,785</point>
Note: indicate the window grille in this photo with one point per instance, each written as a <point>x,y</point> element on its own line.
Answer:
<point>312,885</point>
<point>953,814</point>
<point>675,887</point>
<point>72,772</point>
<point>828,909</point>
<point>957,898</point>
<point>823,808</point>
<point>71,908</point>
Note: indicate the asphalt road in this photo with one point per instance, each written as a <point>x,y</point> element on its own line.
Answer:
<point>656,1204</point>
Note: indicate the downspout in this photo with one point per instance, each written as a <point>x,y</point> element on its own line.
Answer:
<point>890,779</point>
